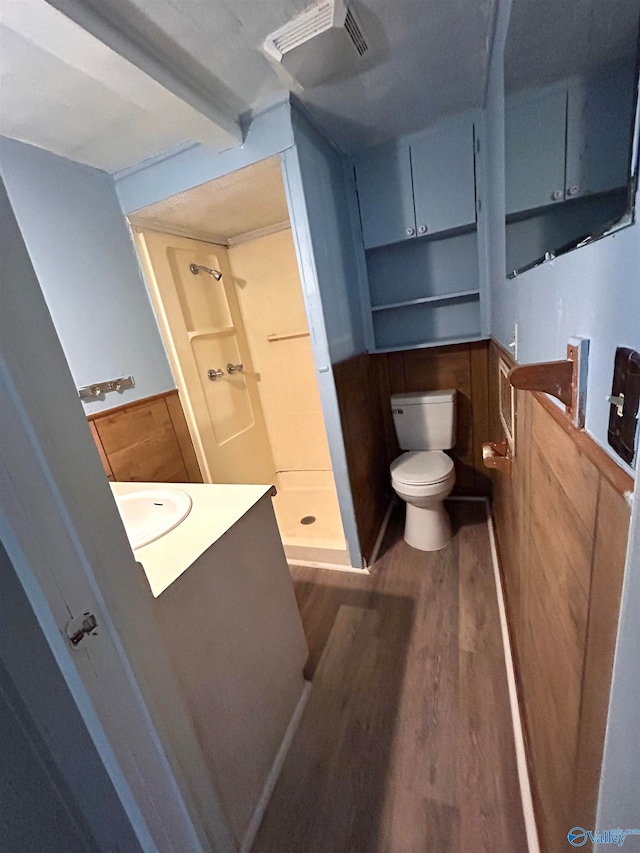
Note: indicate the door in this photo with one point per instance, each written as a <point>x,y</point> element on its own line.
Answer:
<point>535,149</point>
<point>203,332</point>
<point>385,194</point>
<point>63,536</point>
<point>444,179</point>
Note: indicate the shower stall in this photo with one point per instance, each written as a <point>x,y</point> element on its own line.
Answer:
<point>222,273</point>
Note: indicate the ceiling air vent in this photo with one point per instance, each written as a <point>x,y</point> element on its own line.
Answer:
<point>322,43</point>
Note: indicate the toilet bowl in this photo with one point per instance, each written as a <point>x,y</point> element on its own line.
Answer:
<point>424,478</point>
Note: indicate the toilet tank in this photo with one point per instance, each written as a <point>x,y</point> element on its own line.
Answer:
<point>425,420</point>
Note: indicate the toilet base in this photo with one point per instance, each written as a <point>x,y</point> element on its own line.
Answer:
<point>427,528</point>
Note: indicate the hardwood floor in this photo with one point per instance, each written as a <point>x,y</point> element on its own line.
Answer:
<point>406,743</point>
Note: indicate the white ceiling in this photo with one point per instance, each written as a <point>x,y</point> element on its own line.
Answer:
<point>63,90</point>
<point>188,61</point>
<point>426,60</point>
<point>225,209</point>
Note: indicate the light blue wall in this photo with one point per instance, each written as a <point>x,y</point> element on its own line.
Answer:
<point>269,133</point>
<point>86,264</point>
<point>329,193</point>
<point>592,292</point>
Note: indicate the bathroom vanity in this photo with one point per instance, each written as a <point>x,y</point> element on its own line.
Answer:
<point>226,610</point>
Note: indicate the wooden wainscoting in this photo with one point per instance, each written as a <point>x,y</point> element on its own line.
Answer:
<point>562,526</point>
<point>362,429</point>
<point>146,441</point>
<point>463,367</point>
<point>364,385</point>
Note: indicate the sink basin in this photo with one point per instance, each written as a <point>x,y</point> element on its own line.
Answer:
<point>149,514</point>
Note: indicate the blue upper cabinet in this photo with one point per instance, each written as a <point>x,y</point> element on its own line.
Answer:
<point>443,178</point>
<point>420,184</point>
<point>385,194</point>
<point>599,131</point>
<point>569,140</point>
<point>535,149</point>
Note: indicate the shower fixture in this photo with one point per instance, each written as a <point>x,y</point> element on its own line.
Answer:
<point>196,268</point>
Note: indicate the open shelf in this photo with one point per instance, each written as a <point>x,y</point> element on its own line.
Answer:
<point>462,294</point>
<point>422,270</point>
<point>444,342</point>
<point>434,322</point>
<point>211,331</point>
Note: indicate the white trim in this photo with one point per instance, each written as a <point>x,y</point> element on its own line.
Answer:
<point>381,532</point>
<point>531,829</point>
<point>259,232</point>
<point>139,227</point>
<point>274,773</point>
<point>336,567</point>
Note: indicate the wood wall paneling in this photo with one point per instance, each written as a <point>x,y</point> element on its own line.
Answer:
<point>463,367</point>
<point>361,417</point>
<point>146,441</point>
<point>101,452</point>
<point>607,571</point>
<point>179,422</point>
<point>561,526</point>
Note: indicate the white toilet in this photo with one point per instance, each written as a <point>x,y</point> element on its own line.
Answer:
<point>425,425</point>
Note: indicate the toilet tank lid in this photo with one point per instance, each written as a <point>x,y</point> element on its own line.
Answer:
<point>415,398</point>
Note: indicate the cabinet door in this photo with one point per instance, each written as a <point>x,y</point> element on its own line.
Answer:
<point>535,149</point>
<point>383,177</point>
<point>443,179</point>
<point>599,127</point>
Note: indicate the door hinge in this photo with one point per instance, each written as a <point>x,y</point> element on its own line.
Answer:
<point>80,627</point>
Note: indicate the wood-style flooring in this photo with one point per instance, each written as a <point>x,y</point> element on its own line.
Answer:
<point>406,743</point>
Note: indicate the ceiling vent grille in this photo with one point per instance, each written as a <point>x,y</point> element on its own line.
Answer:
<point>355,33</point>
<point>319,44</point>
<point>303,27</point>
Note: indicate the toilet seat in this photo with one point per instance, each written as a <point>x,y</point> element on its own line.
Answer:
<point>422,467</point>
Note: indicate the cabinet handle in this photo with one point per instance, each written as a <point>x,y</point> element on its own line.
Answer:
<point>556,195</point>
<point>410,232</point>
<point>572,190</point>
<point>422,229</point>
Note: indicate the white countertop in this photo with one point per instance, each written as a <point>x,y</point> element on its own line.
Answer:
<point>216,508</point>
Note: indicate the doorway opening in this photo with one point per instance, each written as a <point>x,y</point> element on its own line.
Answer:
<point>222,273</point>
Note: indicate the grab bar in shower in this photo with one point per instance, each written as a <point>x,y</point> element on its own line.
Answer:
<point>273,338</point>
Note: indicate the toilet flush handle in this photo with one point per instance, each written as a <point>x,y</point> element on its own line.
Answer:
<point>397,411</point>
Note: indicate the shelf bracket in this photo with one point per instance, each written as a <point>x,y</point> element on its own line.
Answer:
<point>565,380</point>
